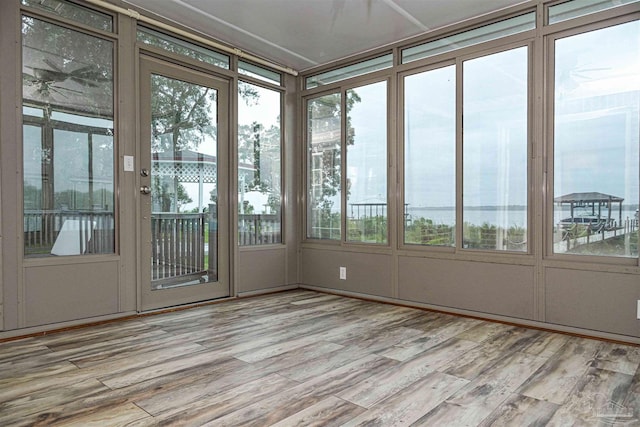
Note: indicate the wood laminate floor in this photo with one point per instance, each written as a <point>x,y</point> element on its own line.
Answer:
<point>303,358</point>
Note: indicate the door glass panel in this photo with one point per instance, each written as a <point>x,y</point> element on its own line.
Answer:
<point>68,154</point>
<point>184,215</point>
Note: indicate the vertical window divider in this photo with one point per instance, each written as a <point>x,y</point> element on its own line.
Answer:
<point>392,123</point>
<point>459,150</point>
<point>548,120</point>
<point>399,191</point>
<point>531,175</point>
<point>343,165</point>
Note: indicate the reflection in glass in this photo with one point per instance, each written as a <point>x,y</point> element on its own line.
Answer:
<point>74,12</point>
<point>184,176</point>
<point>181,47</point>
<point>575,8</point>
<point>67,141</point>
<point>495,151</point>
<point>260,73</point>
<point>430,157</point>
<point>596,138</point>
<point>507,27</point>
<point>323,167</point>
<point>259,170</point>
<point>367,163</point>
<point>358,69</point>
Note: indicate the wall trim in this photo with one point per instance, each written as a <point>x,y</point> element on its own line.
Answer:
<point>266,291</point>
<point>533,324</point>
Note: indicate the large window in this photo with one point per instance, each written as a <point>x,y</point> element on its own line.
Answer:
<point>259,177</point>
<point>596,137</point>
<point>68,151</point>
<point>367,163</point>
<point>324,130</point>
<point>494,154</point>
<point>362,113</point>
<point>430,157</point>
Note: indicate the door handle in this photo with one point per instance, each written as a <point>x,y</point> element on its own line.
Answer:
<point>145,189</point>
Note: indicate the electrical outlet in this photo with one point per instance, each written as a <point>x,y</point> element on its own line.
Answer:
<point>343,275</point>
<point>638,312</point>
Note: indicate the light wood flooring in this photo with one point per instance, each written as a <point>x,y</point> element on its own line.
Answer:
<point>302,358</point>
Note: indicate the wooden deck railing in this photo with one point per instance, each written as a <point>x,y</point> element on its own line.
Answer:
<point>181,240</point>
<point>178,247</point>
<point>259,229</point>
<point>95,230</point>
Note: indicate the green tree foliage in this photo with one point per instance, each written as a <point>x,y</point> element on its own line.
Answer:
<point>324,115</point>
<point>183,114</point>
<point>424,231</point>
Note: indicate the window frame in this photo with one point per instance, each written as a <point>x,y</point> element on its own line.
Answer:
<point>342,88</point>
<point>457,58</point>
<point>529,44</point>
<point>402,150</point>
<point>577,27</point>
<point>283,200</point>
<point>24,119</point>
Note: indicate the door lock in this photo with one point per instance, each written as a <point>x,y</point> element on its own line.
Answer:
<point>144,172</point>
<point>145,189</point>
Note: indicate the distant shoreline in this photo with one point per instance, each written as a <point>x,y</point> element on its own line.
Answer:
<point>500,208</point>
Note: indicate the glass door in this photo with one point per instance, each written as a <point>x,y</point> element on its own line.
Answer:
<point>183,187</point>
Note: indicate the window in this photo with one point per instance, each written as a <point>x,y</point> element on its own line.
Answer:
<point>575,8</point>
<point>181,47</point>
<point>596,138</point>
<point>430,157</point>
<point>358,69</point>
<point>507,27</point>
<point>324,171</point>
<point>367,163</point>
<point>260,73</point>
<point>68,146</point>
<point>74,12</point>
<point>259,165</point>
<point>494,154</point>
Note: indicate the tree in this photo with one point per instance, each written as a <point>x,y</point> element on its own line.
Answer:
<point>169,194</point>
<point>324,127</point>
<point>66,70</point>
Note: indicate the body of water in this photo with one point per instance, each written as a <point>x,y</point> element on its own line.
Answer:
<point>510,216</point>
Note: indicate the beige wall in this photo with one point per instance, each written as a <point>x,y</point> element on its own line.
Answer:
<point>595,298</point>
<point>51,292</point>
<point>589,295</point>
<point>598,303</point>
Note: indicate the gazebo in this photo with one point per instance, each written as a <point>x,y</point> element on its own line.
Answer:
<point>595,202</point>
<point>189,166</point>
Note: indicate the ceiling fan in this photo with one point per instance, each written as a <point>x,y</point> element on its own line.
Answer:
<point>52,80</point>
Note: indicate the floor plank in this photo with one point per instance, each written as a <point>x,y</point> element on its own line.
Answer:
<point>303,358</point>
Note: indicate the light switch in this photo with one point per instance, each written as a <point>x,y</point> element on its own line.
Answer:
<point>128,164</point>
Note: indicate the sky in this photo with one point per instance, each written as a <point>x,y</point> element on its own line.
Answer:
<point>596,131</point>
<point>265,110</point>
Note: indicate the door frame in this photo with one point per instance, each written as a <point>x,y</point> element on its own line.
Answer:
<point>147,298</point>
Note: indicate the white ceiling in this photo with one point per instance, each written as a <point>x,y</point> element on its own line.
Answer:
<point>302,34</point>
